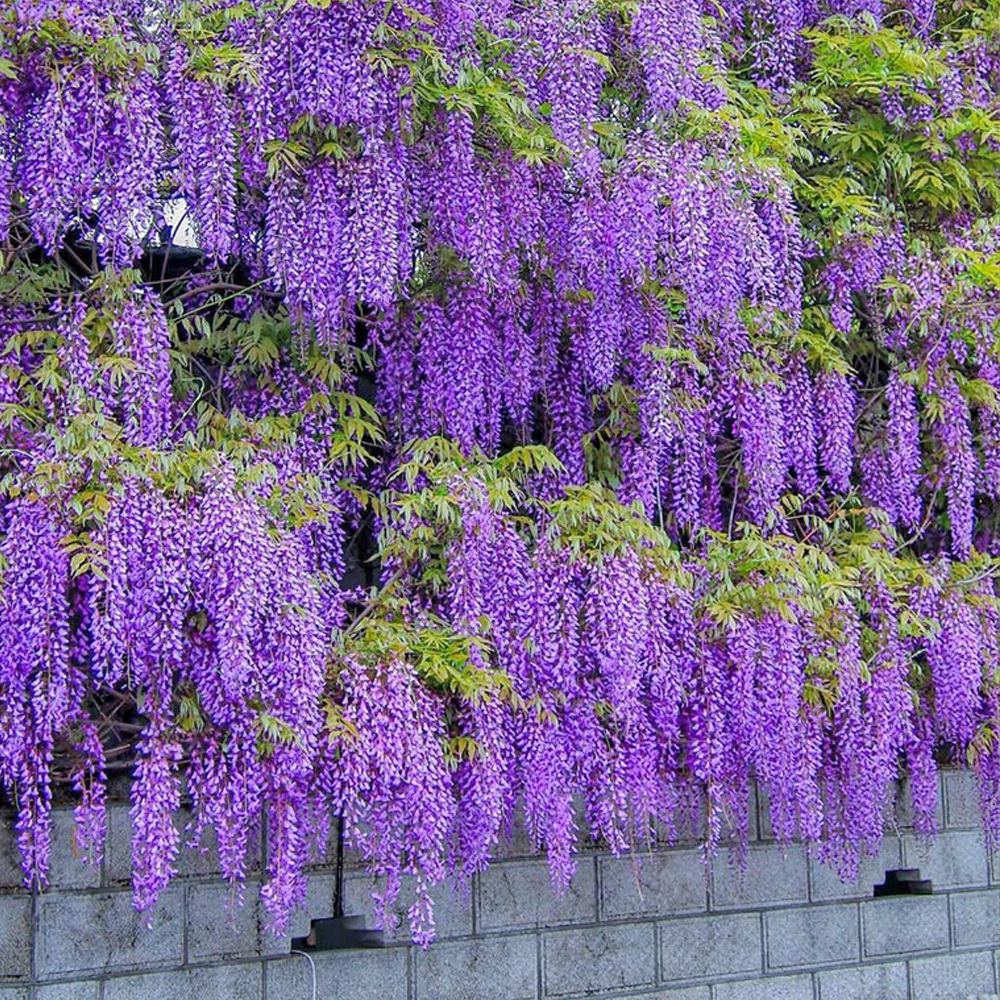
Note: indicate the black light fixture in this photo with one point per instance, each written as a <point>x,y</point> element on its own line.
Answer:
<point>330,933</point>
<point>904,882</point>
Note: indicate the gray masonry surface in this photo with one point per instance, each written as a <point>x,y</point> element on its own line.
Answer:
<point>787,929</point>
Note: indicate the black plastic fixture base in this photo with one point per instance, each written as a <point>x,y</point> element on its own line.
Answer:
<point>332,933</point>
<point>904,882</point>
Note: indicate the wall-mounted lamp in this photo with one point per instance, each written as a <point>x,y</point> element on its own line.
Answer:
<point>904,882</point>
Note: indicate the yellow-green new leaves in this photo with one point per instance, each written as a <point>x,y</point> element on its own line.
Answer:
<point>441,657</point>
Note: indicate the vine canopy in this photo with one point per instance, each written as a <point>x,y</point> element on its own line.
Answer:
<point>422,418</point>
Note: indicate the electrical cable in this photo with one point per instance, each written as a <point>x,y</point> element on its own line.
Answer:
<point>312,966</point>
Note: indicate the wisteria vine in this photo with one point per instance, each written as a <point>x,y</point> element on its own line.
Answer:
<point>427,419</point>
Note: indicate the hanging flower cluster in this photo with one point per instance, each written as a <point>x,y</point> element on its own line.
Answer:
<point>434,417</point>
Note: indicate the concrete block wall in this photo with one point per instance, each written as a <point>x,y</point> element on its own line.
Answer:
<point>657,929</point>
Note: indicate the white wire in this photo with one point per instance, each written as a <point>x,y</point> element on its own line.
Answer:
<point>312,965</point>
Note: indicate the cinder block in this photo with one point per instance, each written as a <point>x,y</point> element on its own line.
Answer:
<point>118,847</point>
<point>961,800</point>
<point>975,918</point>
<point>452,915</point>
<point>15,937</point>
<point>826,885</point>
<point>89,990</point>
<point>681,993</point>
<point>600,959</point>
<point>904,805</point>
<point>218,928</point>
<point>663,883</point>
<point>198,862</point>
<point>773,877</point>
<point>323,855</point>
<point>814,935</point>
<point>775,988</point>
<point>756,807</point>
<point>710,947</point>
<point>870,982</point>
<point>952,861</point>
<point>952,976</point>
<point>99,931</point>
<point>763,802</point>
<point>475,969</point>
<point>10,857</point>
<point>756,830</point>
<point>519,843</point>
<point>231,982</point>
<point>375,974</point>
<point>902,924</point>
<point>69,868</point>
<point>203,858</point>
<point>764,815</point>
<point>319,903</point>
<point>690,823</point>
<point>519,894</point>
